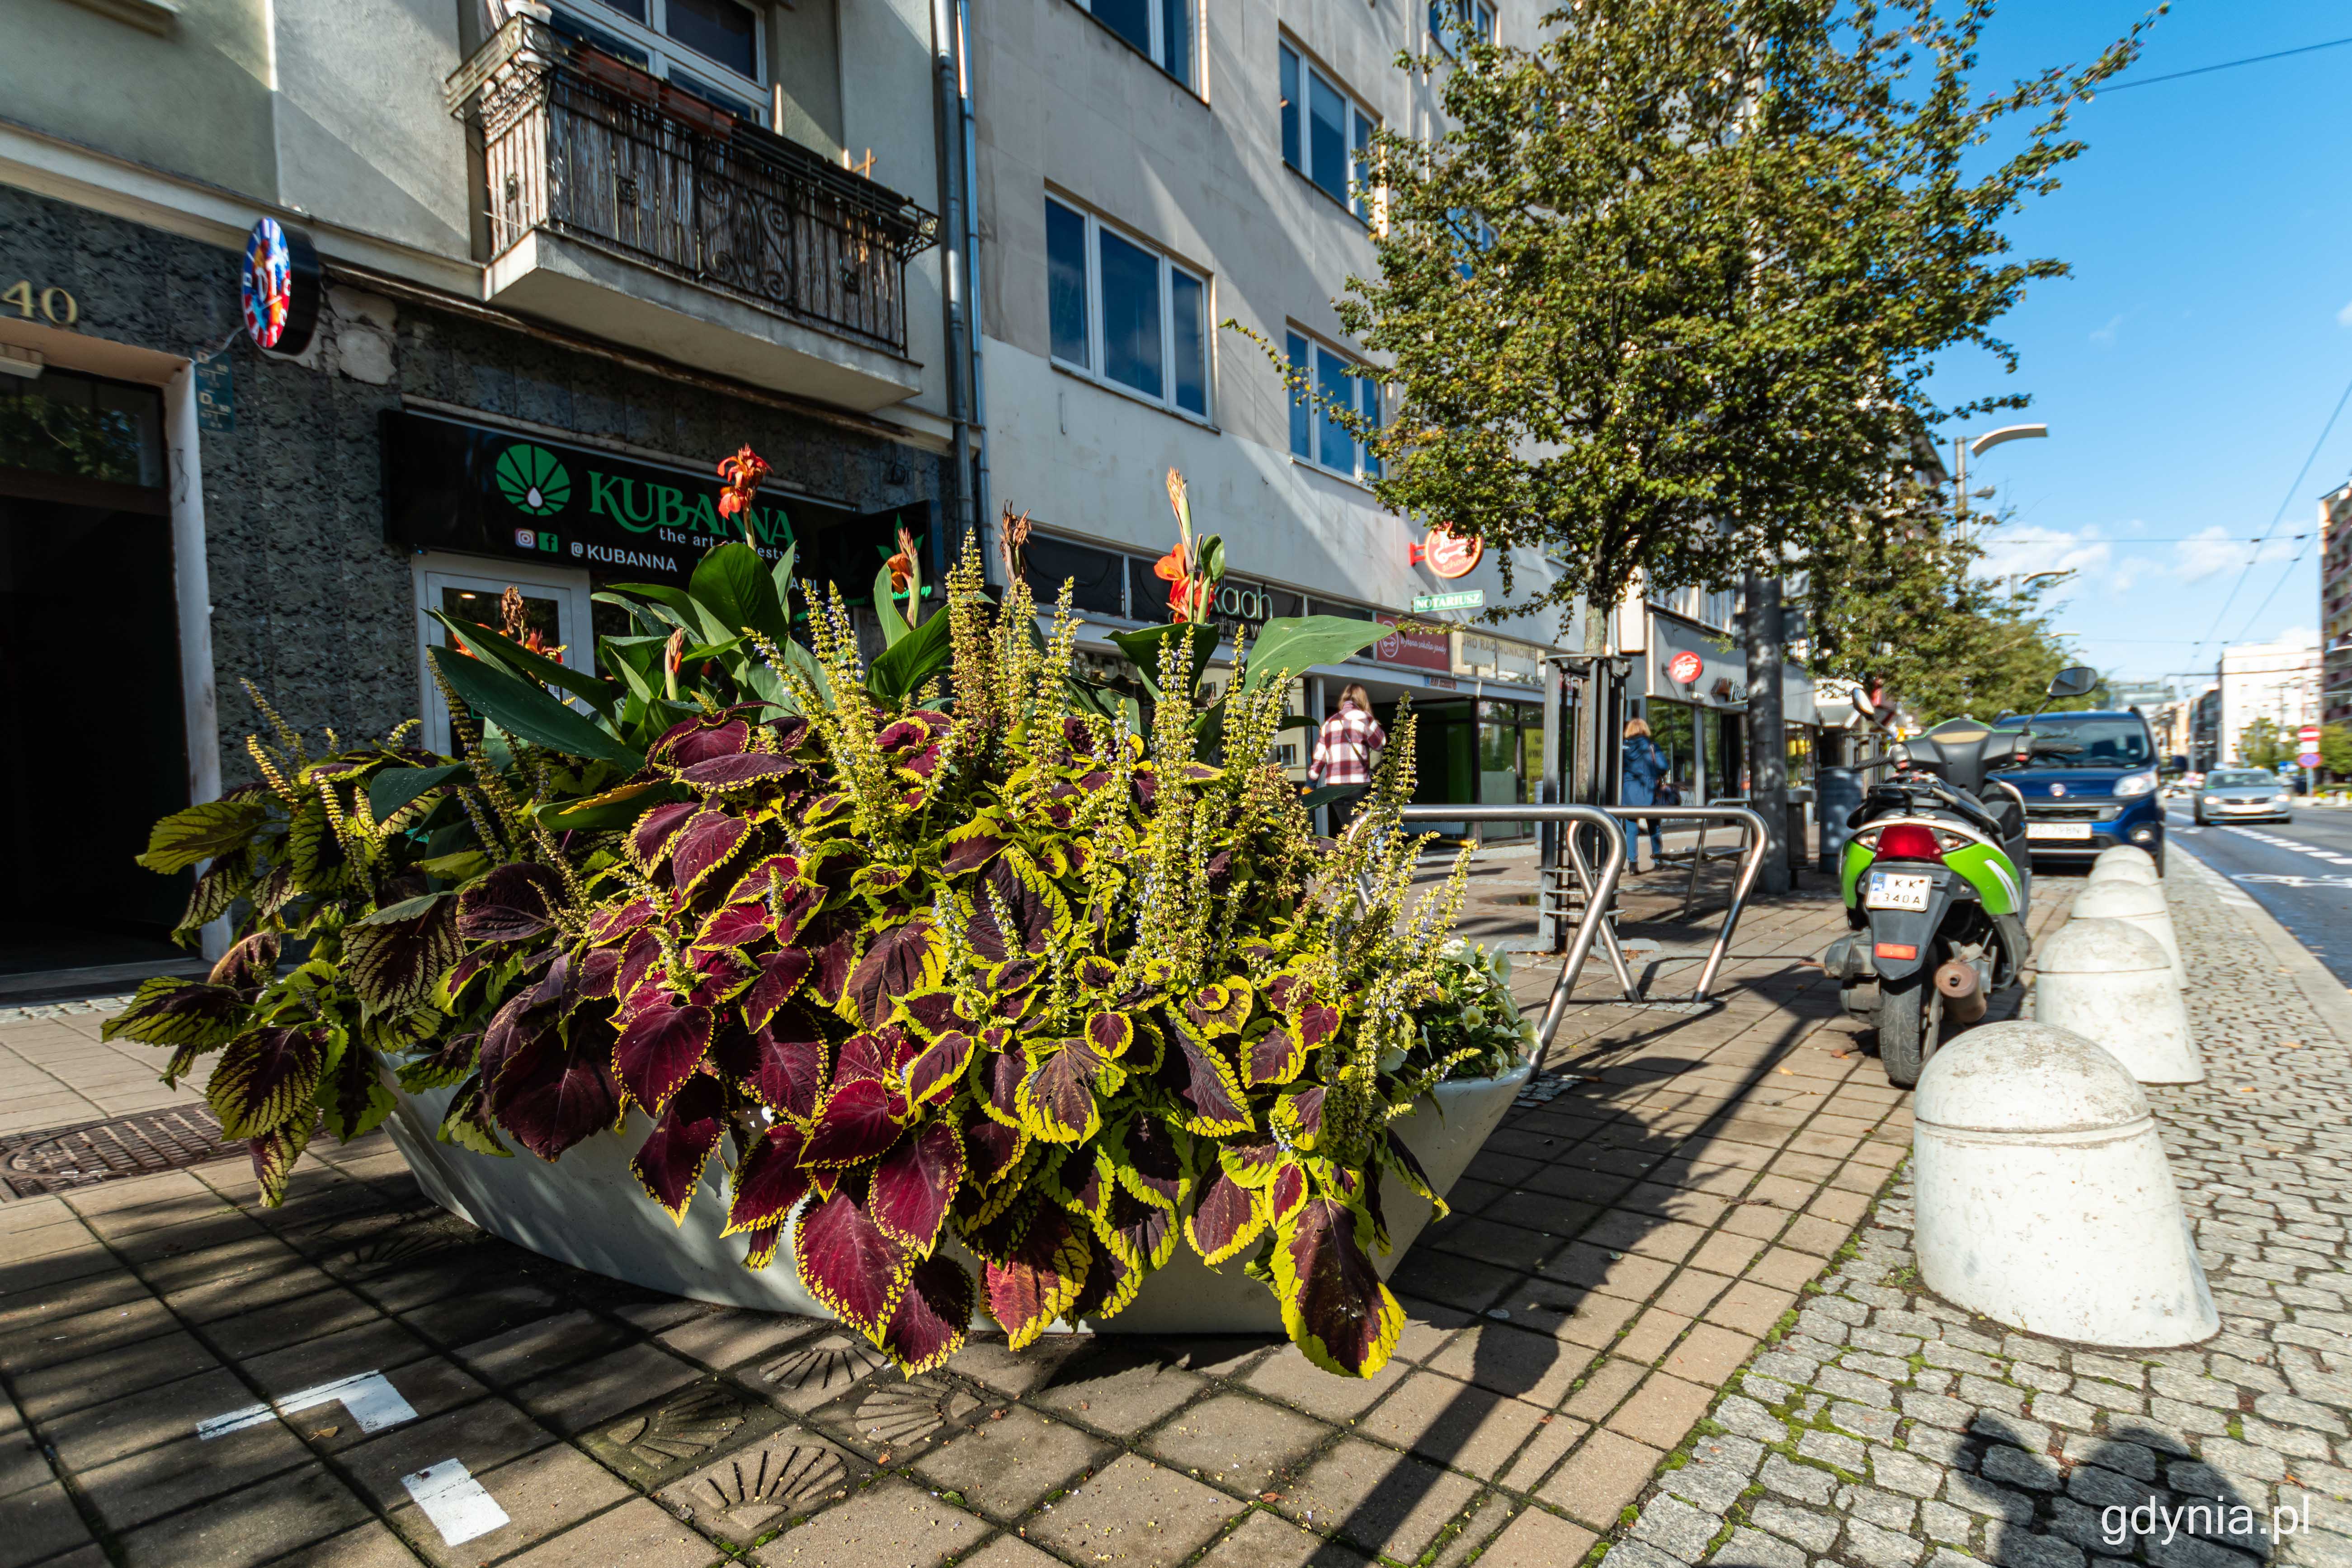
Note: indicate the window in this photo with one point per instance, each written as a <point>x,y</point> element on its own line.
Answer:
<point>1326,135</point>
<point>1160,30</point>
<point>1318,434</point>
<point>710,47</point>
<point>1473,236</point>
<point>1123,313</point>
<point>1450,21</point>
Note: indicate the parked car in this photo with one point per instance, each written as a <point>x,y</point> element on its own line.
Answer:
<point>2244,794</point>
<point>2082,802</point>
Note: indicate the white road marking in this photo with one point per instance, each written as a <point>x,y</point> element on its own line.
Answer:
<point>370,1396</point>
<point>455,1501</point>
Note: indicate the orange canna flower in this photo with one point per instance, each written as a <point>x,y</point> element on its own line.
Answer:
<point>742,472</point>
<point>902,567</point>
<point>1172,567</point>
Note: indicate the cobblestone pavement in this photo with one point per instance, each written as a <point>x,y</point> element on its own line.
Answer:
<point>1885,1428</point>
<point>1627,1243</point>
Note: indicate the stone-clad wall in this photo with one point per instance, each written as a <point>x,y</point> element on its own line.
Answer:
<point>308,602</point>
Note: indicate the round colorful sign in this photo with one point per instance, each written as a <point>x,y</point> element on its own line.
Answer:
<point>1685,666</point>
<point>280,287</point>
<point>1450,555</point>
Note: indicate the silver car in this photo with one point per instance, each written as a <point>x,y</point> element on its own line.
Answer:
<point>2243,795</point>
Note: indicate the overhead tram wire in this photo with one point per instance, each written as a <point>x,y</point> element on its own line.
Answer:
<point>2279,517</point>
<point>2222,65</point>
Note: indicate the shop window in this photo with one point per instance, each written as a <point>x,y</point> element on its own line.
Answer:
<point>1160,30</point>
<point>1126,314</point>
<point>1318,434</point>
<point>1326,135</point>
<point>1094,575</point>
<point>556,617</point>
<point>82,426</point>
<point>712,48</point>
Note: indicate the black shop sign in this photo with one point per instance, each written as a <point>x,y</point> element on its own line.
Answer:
<point>484,491</point>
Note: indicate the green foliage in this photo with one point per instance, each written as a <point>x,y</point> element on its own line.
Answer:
<point>1668,294</point>
<point>1002,968</point>
<point>2336,750</point>
<point>2263,744</point>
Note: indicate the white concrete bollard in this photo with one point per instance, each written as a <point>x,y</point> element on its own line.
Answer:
<point>2125,863</point>
<point>2108,980</point>
<point>2042,1194</point>
<point>2141,905</point>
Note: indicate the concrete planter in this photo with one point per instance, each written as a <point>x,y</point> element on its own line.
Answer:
<point>587,1210</point>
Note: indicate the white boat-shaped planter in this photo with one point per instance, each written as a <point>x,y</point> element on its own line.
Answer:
<point>588,1210</point>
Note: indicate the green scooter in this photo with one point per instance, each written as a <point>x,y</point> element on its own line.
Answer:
<point>1936,882</point>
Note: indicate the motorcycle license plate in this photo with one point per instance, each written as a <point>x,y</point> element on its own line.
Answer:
<point>2057,830</point>
<point>1897,890</point>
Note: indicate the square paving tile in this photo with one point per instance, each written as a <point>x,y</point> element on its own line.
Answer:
<point>1266,1540</point>
<point>578,1397</point>
<point>1378,1499</point>
<point>1534,1367</point>
<point>636,1533</point>
<point>889,1522</point>
<point>1136,1512</point>
<point>1602,1476</point>
<point>1456,1424</point>
<point>765,1486</point>
<point>1003,1468</point>
<point>542,1494</point>
<point>310,1317</point>
<point>1751,1307</point>
<point>1234,1441</point>
<point>540,1347</point>
<point>249,1526</point>
<point>370,1546</point>
<point>73,1385</point>
<point>98,1433</point>
<point>473,1318</point>
<point>1118,1387</point>
<point>1662,1410</point>
<point>1289,1377</point>
<point>1709,1355</point>
<point>488,1433</point>
<point>815,1372</point>
<point>85,1334</point>
<point>380,1345</point>
<point>725,1340</point>
<point>893,1418</point>
<point>663,1438</point>
<point>128,1492</point>
<point>42,1523</point>
<point>1537,1539</point>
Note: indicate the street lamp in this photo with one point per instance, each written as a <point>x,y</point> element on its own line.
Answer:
<point>1963,451</point>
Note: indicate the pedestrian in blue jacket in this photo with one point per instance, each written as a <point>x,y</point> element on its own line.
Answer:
<point>1644,766</point>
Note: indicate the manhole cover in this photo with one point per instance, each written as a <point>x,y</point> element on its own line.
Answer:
<point>58,1158</point>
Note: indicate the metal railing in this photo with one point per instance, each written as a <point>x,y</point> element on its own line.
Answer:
<point>1751,863</point>
<point>581,144</point>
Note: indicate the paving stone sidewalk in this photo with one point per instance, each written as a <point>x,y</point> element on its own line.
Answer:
<point>1620,1249</point>
<point>1885,1428</point>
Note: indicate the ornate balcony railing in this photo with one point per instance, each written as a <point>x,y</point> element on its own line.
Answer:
<point>578,143</point>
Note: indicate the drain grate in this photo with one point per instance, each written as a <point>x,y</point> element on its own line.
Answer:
<point>59,1158</point>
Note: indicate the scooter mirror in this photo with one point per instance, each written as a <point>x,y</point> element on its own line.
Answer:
<point>2075,680</point>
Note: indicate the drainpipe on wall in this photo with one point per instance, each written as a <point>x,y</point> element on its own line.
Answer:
<point>954,114</point>
<point>974,330</point>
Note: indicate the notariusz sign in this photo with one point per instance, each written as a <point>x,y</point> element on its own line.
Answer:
<point>483,491</point>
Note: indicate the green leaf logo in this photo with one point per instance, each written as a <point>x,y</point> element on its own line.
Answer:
<point>531,478</point>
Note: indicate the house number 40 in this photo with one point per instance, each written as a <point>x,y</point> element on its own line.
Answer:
<point>55,304</point>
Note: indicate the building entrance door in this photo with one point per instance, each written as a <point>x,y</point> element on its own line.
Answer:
<point>93,744</point>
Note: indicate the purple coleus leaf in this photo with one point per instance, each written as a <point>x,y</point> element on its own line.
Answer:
<point>1204,1084</point>
<point>669,1163</point>
<point>781,974</point>
<point>735,925</point>
<point>699,739</point>
<point>1274,1056</point>
<point>860,1119</point>
<point>512,904</point>
<point>848,1264</point>
<point>914,1184</point>
<point>703,845</point>
<point>1333,1303</point>
<point>391,965</point>
<point>1318,1021</point>
<point>898,960</point>
<point>937,1066</point>
<point>611,922</point>
<point>596,976</point>
<point>834,954</point>
<point>990,1148</point>
<point>660,1050</point>
<point>997,1075</point>
<point>718,974</point>
<point>719,774</point>
<point>769,1180</point>
<point>876,1054</point>
<point>249,965</point>
<point>933,1316</point>
<point>780,1065</point>
<point>1224,1220</point>
<point>1039,1277</point>
<point>551,1098</point>
<point>651,839</point>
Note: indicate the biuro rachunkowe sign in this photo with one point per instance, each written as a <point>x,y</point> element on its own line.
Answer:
<point>483,491</point>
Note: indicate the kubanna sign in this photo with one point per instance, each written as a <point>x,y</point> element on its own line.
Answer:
<point>478,490</point>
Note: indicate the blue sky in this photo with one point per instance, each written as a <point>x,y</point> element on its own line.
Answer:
<point>2189,366</point>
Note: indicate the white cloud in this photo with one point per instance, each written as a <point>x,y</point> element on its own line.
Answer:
<point>2106,336</point>
<point>2020,552</point>
<point>2216,550</point>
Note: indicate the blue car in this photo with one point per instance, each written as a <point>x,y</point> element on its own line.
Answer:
<point>2079,803</point>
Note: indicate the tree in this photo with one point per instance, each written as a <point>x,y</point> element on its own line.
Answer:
<point>1667,295</point>
<point>2260,744</point>
<point>2336,750</point>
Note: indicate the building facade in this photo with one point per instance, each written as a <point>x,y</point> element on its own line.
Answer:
<point>565,259</point>
<point>1146,173</point>
<point>2278,681</point>
<point>2336,607</point>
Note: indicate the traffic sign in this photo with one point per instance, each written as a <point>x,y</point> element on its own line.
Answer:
<point>1469,599</point>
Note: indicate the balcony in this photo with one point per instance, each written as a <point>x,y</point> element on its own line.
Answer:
<point>627,207</point>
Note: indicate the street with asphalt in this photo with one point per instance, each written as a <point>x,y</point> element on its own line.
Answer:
<point>2300,870</point>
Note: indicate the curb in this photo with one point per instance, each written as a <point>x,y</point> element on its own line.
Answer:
<point>2327,995</point>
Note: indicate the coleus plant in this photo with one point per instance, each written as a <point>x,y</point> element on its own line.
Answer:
<point>981,996</point>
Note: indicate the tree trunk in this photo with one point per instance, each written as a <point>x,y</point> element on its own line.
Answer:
<point>1762,630</point>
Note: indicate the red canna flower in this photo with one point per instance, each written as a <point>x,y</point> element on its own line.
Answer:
<point>1175,570</point>
<point>902,565</point>
<point>742,472</point>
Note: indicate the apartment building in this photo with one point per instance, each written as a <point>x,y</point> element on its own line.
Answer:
<point>2275,681</point>
<point>2336,607</point>
<point>315,316</point>
<point>1147,171</point>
